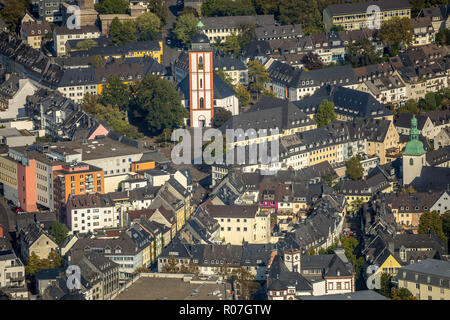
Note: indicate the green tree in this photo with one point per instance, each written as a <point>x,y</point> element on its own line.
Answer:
<point>443,37</point>
<point>258,76</point>
<point>246,34</point>
<point>325,113</point>
<point>402,294</point>
<point>431,220</point>
<point>362,53</point>
<point>231,44</point>
<point>311,251</point>
<point>156,105</point>
<point>185,28</point>
<point>34,264</point>
<point>12,13</point>
<point>159,8</point>
<point>395,31</point>
<point>446,225</point>
<point>98,61</point>
<point>354,168</point>
<point>117,120</point>
<point>148,25</point>
<point>221,116</point>
<point>225,77</point>
<point>112,7</point>
<point>350,244</point>
<point>243,95</point>
<point>116,93</point>
<point>86,44</point>
<point>188,10</point>
<point>227,8</point>
<point>385,285</point>
<point>89,103</point>
<point>59,231</point>
<point>122,32</point>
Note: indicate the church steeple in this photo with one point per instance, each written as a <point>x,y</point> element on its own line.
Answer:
<point>414,147</point>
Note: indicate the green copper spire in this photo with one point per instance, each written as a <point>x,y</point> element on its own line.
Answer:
<point>414,147</point>
<point>200,24</point>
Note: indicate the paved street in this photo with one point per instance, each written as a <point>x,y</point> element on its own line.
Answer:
<point>170,52</point>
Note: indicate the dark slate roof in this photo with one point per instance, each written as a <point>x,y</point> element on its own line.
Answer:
<point>48,274</point>
<point>200,37</point>
<point>221,89</point>
<point>233,21</point>
<point>357,295</point>
<point>269,113</point>
<point>361,7</point>
<point>432,178</point>
<point>32,232</point>
<point>221,61</point>
<point>280,278</point>
<point>232,211</point>
<point>118,50</point>
<point>296,78</point>
<point>437,270</point>
<point>79,76</point>
<point>404,120</point>
<point>439,156</point>
<point>274,31</point>
<point>256,48</point>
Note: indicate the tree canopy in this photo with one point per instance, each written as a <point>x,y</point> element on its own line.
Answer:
<point>185,28</point>
<point>160,8</point>
<point>156,105</point>
<point>355,170</point>
<point>396,31</point>
<point>59,231</point>
<point>218,8</point>
<point>148,24</point>
<point>362,53</point>
<point>221,116</point>
<point>312,61</point>
<point>13,12</point>
<point>325,113</point>
<point>431,220</point>
<point>115,93</point>
<point>34,264</point>
<point>122,32</point>
<point>112,6</point>
<point>258,76</point>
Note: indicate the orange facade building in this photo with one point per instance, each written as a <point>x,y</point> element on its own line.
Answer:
<point>76,179</point>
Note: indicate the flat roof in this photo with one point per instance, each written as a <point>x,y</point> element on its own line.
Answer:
<point>149,288</point>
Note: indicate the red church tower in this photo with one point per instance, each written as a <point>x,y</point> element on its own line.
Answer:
<point>201,89</point>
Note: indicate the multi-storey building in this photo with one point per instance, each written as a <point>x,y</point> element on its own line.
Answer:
<point>219,28</point>
<point>34,32</point>
<point>49,10</point>
<point>62,34</point>
<point>294,84</point>
<point>241,223</point>
<point>354,16</point>
<point>426,280</point>
<point>89,212</point>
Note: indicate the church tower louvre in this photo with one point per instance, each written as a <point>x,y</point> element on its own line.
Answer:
<point>413,155</point>
<point>201,87</point>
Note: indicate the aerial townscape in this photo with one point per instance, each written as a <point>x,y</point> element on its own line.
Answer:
<point>351,99</point>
